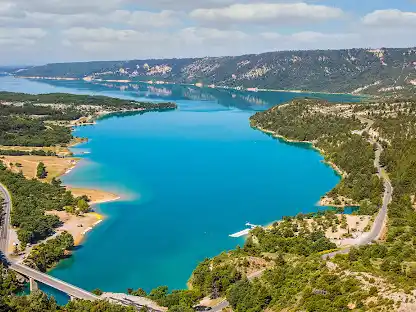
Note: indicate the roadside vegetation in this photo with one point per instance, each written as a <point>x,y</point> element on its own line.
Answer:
<point>39,302</point>
<point>45,255</point>
<point>31,199</point>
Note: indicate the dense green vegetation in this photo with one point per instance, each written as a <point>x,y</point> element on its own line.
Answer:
<point>297,279</point>
<point>31,198</point>
<point>9,283</point>
<point>175,299</point>
<point>25,108</point>
<point>41,172</point>
<point>11,152</point>
<point>307,285</point>
<point>73,100</point>
<point>30,120</point>
<point>395,259</point>
<point>45,255</point>
<point>25,131</point>
<point>39,302</point>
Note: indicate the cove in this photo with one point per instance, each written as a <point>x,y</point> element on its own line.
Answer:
<point>188,178</point>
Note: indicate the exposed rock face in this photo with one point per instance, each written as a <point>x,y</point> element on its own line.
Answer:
<point>375,71</point>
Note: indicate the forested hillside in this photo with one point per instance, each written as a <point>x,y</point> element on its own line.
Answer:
<point>381,71</point>
<point>377,277</point>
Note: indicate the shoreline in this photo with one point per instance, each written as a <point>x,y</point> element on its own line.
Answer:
<point>91,219</point>
<point>324,201</point>
<point>190,84</point>
<point>77,226</point>
<point>338,170</point>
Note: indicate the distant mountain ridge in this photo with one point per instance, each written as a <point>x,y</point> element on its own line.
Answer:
<point>372,71</point>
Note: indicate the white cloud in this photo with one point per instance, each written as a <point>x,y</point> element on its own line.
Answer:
<point>12,37</point>
<point>203,34</point>
<point>191,35</point>
<point>105,43</point>
<point>9,9</point>
<point>30,33</point>
<point>181,5</point>
<point>262,13</point>
<point>81,34</point>
<point>64,6</point>
<point>69,30</point>
<point>133,19</point>
<point>312,37</point>
<point>195,41</point>
<point>270,35</point>
<point>390,18</point>
<point>145,19</point>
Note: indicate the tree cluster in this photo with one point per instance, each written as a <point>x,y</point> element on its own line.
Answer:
<point>31,199</point>
<point>45,255</point>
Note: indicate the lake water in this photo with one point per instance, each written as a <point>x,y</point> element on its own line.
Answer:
<point>189,178</point>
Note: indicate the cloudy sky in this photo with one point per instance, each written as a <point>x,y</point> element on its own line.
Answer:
<point>41,31</point>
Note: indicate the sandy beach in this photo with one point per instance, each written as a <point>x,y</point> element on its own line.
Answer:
<point>95,196</point>
<point>78,226</point>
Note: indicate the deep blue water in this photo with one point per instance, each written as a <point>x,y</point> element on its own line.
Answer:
<point>189,177</point>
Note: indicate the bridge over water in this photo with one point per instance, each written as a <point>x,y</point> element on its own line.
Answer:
<point>34,276</point>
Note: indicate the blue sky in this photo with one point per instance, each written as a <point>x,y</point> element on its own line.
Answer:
<point>41,31</point>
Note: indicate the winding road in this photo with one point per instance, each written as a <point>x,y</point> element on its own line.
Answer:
<point>381,217</point>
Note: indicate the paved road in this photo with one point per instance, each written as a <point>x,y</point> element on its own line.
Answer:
<point>381,218</point>
<point>67,288</point>
<point>220,306</point>
<point>5,220</point>
<point>26,271</point>
<point>388,192</point>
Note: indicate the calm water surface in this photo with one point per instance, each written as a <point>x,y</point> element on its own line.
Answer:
<point>189,178</point>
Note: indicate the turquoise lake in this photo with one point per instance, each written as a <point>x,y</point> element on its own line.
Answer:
<point>189,178</point>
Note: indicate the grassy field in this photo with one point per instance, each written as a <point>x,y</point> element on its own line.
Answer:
<point>55,166</point>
